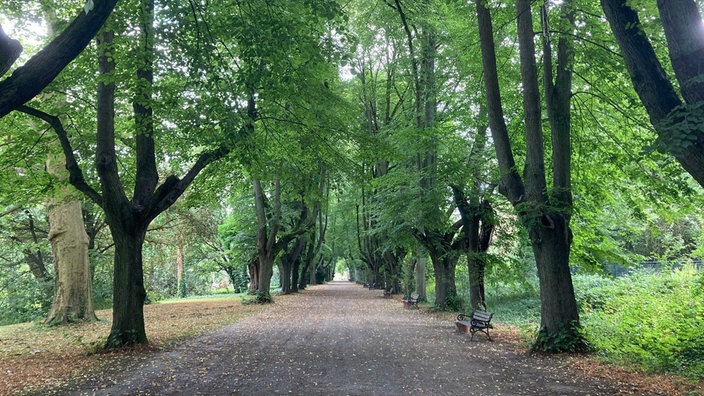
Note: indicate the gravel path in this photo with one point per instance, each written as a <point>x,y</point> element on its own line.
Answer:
<point>342,339</point>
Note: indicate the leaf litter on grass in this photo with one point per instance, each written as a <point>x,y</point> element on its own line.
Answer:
<point>33,356</point>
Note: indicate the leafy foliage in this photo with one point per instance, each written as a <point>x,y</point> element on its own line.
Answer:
<point>653,319</point>
<point>567,339</point>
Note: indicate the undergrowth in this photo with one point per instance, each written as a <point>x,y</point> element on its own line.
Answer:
<point>653,320</point>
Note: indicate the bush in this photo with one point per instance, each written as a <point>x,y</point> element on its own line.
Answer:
<point>592,291</point>
<point>24,299</point>
<point>655,320</point>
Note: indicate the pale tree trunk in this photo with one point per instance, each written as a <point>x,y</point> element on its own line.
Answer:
<point>73,299</point>
<point>180,286</point>
<point>253,270</point>
<point>69,244</point>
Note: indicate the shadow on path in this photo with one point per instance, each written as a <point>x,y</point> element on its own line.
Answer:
<point>342,339</point>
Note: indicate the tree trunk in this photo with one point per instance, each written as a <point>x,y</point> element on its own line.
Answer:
<point>476,267</point>
<point>180,285</point>
<point>420,276</point>
<point>295,277</point>
<point>303,281</point>
<point>313,271</point>
<point>128,284</point>
<point>69,240</point>
<point>559,312</point>
<point>69,243</point>
<point>477,228</point>
<point>253,269</point>
<point>682,23</point>
<point>445,288</point>
<point>293,258</point>
<point>286,267</point>
<point>266,271</point>
<point>266,237</point>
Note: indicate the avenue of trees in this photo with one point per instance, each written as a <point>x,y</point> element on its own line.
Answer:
<point>149,144</point>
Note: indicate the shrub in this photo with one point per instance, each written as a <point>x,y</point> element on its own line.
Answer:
<point>24,298</point>
<point>592,291</point>
<point>655,320</point>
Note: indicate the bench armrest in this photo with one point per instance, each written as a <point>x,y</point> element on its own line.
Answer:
<point>463,317</point>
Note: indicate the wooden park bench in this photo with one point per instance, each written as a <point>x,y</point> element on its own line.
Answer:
<point>478,321</point>
<point>410,301</point>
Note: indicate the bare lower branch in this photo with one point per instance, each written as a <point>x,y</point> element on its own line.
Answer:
<point>76,177</point>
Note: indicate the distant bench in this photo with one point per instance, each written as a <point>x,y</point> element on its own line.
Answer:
<point>410,301</point>
<point>388,293</point>
<point>478,321</point>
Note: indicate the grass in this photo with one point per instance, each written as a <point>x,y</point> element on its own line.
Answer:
<point>33,356</point>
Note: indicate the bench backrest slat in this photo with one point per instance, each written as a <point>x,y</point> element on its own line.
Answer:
<point>482,315</point>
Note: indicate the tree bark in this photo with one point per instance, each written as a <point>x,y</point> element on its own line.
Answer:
<point>266,236</point>
<point>295,275</point>
<point>291,262</point>
<point>558,308</point>
<point>420,276</point>
<point>285,271</point>
<point>10,50</point>
<point>180,285</point>
<point>684,31</point>
<point>128,283</point>
<point>73,300</point>
<point>444,254</point>
<point>445,287</point>
<point>668,113</point>
<point>253,269</point>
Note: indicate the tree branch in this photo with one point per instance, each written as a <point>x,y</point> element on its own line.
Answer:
<point>76,177</point>
<point>31,78</point>
<point>10,50</point>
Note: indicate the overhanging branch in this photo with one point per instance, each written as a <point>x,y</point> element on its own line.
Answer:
<point>76,177</point>
<point>31,78</point>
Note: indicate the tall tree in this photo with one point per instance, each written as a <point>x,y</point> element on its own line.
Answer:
<point>676,118</point>
<point>73,299</point>
<point>442,243</point>
<point>128,219</point>
<point>544,212</point>
<point>269,242</point>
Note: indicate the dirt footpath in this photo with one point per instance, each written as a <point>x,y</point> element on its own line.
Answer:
<point>342,339</point>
